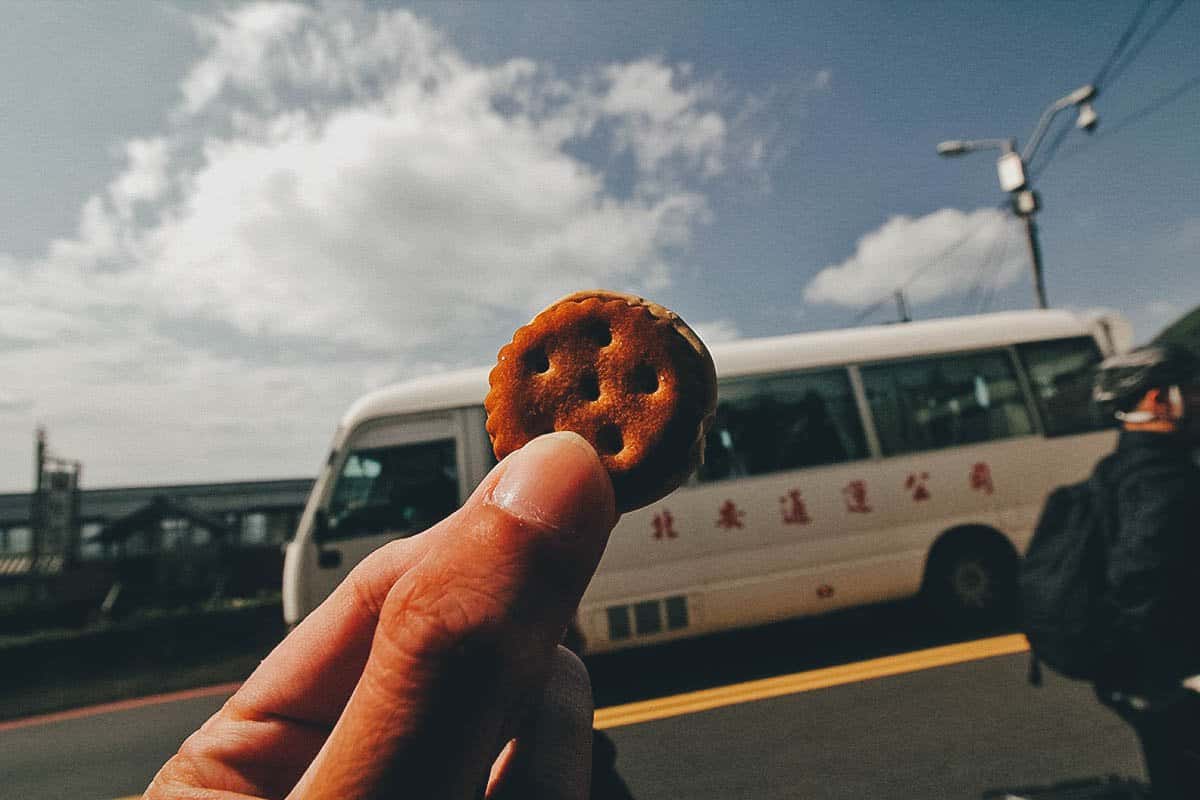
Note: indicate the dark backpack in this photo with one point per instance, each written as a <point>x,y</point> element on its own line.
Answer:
<point>1065,610</point>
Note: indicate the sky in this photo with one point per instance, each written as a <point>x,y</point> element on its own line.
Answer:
<point>222,223</point>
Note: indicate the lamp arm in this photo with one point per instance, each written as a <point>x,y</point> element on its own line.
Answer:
<point>1040,131</point>
<point>1080,95</point>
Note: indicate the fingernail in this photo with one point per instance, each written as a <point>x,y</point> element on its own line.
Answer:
<point>556,481</point>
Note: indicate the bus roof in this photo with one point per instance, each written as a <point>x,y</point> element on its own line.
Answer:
<point>749,356</point>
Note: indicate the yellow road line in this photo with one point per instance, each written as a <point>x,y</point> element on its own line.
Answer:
<point>692,702</point>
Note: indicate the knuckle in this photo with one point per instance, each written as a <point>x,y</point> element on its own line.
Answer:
<point>431,619</point>
<point>364,581</point>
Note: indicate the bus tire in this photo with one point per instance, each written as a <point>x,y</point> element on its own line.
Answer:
<point>971,578</point>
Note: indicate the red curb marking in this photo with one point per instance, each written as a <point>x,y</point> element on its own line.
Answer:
<point>120,705</point>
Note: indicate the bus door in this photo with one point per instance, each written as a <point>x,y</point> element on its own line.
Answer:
<point>393,478</point>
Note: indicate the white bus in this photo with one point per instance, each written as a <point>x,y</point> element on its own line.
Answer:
<point>843,468</point>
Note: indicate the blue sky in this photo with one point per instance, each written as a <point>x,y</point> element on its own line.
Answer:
<point>218,233</point>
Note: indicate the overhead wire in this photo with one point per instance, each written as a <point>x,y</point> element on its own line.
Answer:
<point>871,309</point>
<point>917,273</point>
<point>986,301</point>
<point>1137,48</point>
<point>1047,155</point>
<point>1153,107</point>
<point>995,257</point>
<point>1116,64</point>
<point>1122,42</point>
<point>977,281</point>
<point>985,265</point>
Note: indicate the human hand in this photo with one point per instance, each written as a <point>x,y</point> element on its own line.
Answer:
<point>433,654</point>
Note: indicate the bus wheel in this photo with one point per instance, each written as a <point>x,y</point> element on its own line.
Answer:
<point>971,580</point>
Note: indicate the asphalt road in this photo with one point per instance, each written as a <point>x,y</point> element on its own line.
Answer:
<point>96,757</point>
<point>949,732</point>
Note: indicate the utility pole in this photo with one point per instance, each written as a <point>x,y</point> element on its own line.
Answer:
<point>1010,168</point>
<point>1035,255</point>
<point>36,499</point>
<point>902,306</point>
<point>36,514</point>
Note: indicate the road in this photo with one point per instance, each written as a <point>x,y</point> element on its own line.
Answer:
<point>852,731</point>
<point>949,732</point>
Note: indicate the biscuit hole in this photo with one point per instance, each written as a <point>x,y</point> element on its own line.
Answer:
<point>597,332</point>
<point>608,440</point>
<point>589,387</point>
<point>644,379</point>
<point>537,361</point>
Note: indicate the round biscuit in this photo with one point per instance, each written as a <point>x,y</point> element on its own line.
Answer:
<point>627,374</point>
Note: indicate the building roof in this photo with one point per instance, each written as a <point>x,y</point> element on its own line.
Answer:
<point>150,515</point>
<point>210,498</point>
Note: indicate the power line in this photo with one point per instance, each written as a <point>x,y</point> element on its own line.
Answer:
<point>1051,149</point>
<point>976,284</point>
<point>1118,64</point>
<point>986,302</point>
<point>1153,107</point>
<point>869,310</point>
<point>981,272</point>
<point>986,276</point>
<point>1098,81</point>
<point>933,262</point>
<point>1136,50</point>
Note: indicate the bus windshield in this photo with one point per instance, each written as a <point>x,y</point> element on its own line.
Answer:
<point>402,489</point>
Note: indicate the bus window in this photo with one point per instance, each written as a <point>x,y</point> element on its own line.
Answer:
<point>401,489</point>
<point>1061,372</point>
<point>783,422</point>
<point>945,401</point>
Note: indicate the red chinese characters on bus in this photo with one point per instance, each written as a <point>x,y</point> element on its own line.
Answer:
<point>729,516</point>
<point>916,484</point>
<point>855,494</point>
<point>981,478</point>
<point>793,509</point>
<point>664,525</point>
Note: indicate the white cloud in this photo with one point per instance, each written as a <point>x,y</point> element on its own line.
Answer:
<point>248,51</point>
<point>929,257</point>
<point>340,198</point>
<point>144,180</point>
<point>659,121</point>
<point>370,184</point>
<point>717,330</point>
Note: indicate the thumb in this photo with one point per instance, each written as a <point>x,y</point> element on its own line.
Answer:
<point>467,631</point>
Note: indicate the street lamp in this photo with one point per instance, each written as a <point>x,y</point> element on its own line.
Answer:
<point>1010,168</point>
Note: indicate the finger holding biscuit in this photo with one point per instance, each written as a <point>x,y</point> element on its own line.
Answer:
<point>409,679</point>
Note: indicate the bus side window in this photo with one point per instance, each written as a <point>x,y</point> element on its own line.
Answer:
<point>1061,373</point>
<point>945,401</point>
<point>783,422</point>
<point>400,489</point>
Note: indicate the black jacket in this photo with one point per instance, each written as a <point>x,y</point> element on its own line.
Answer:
<point>1154,561</point>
